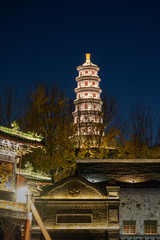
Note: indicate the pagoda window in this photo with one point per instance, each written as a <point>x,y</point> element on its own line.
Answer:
<point>86,72</point>
<point>80,73</point>
<point>94,95</point>
<point>86,94</point>
<point>85,130</point>
<point>79,95</point>
<point>93,83</point>
<point>96,119</point>
<point>86,83</point>
<point>86,106</point>
<point>79,84</point>
<point>92,72</point>
<point>85,117</point>
<point>95,105</point>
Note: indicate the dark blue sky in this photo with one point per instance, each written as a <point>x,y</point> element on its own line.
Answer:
<point>46,40</point>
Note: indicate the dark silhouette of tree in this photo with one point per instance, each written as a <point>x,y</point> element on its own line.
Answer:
<point>10,107</point>
<point>140,137</point>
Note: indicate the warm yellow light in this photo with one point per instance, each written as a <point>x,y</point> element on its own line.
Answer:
<point>88,57</point>
<point>21,195</point>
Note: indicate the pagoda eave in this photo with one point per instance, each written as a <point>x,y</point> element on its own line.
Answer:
<point>94,67</point>
<point>89,88</point>
<point>88,77</point>
<point>88,100</point>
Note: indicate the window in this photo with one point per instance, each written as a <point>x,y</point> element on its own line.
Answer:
<point>129,227</point>
<point>79,95</point>
<point>94,95</point>
<point>74,218</point>
<point>86,83</point>
<point>86,106</point>
<point>94,106</point>
<point>85,117</point>
<point>150,227</point>
<point>79,84</point>
<point>85,130</point>
<point>86,72</point>
<point>95,118</point>
<point>81,73</point>
<point>86,94</point>
<point>92,72</point>
<point>93,83</point>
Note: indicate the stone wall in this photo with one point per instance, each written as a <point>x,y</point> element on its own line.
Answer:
<point>139,205</point>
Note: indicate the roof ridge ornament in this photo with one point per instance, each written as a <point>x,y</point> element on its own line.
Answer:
<point>15,126</point>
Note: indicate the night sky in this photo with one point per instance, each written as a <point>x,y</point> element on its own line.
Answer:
<point>46,40</point>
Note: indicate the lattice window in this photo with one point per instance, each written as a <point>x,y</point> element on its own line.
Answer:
<point>86,94</point>
<point>150,227</point>
<point>129,227</point>
<point>86,72</point>
<point>93,83</point>
<point>94,95</point>
<point>86,83</point>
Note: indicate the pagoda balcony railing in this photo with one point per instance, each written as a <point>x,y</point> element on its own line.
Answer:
<point>88,77</point>
<point>90,88</point>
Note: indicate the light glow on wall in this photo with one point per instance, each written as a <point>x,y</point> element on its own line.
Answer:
<point>22,194</point>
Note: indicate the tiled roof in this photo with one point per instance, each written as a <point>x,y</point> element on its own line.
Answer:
<point>15,135</point>
<point>122,170</point>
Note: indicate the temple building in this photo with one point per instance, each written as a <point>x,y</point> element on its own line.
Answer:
<point>88,104</point>
<point>13,210</point>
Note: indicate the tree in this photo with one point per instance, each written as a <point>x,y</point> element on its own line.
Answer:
<point>140,132</point>
<point>9,106</point>
<point>48,114</point>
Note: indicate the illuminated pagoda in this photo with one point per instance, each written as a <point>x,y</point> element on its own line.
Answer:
<point>13,144</point>
<point>88,104</point>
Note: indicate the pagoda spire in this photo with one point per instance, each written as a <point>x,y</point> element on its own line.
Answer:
<point>88,104</point>
<point>88,56</point>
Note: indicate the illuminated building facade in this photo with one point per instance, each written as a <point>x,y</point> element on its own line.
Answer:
<point>88,104</point>
<point>13,212</point>
<point>75,208</point>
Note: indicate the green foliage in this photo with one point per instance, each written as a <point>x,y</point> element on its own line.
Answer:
<point>48,114</point>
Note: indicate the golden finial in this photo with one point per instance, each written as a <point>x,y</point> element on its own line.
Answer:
<point>88,57</point>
